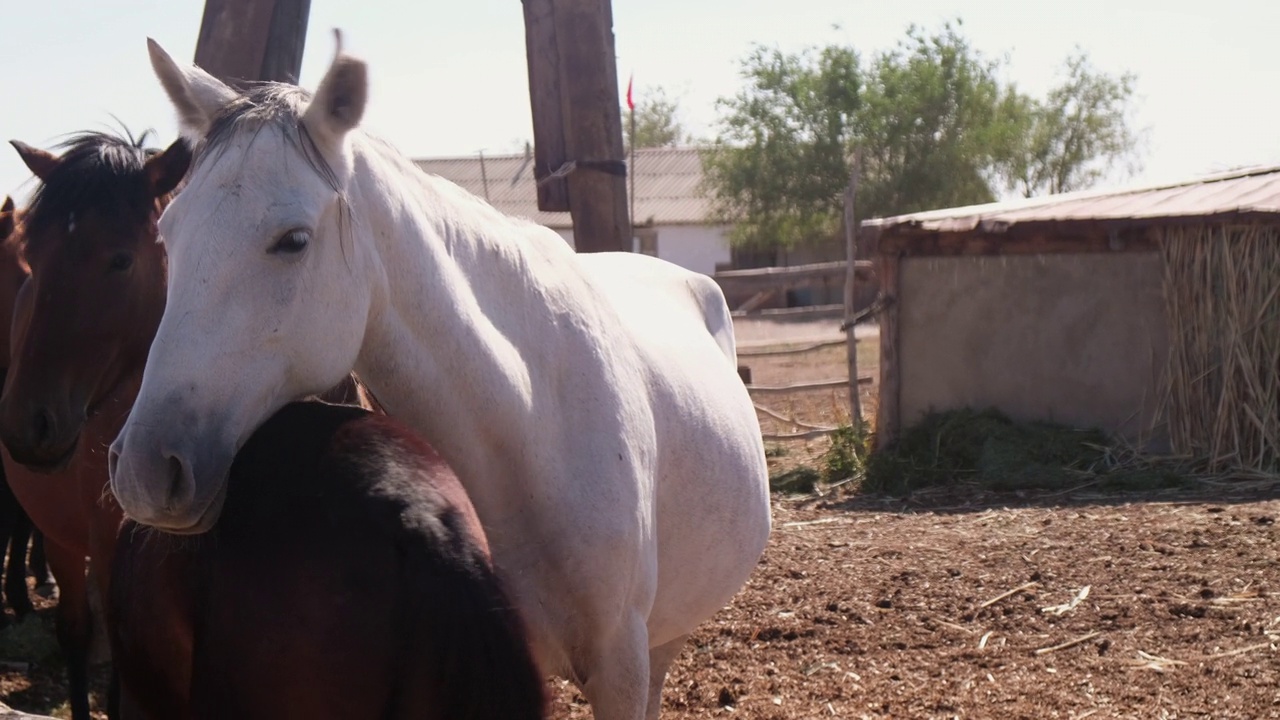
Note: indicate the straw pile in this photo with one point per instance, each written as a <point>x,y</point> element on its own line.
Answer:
<point>1222,293</point>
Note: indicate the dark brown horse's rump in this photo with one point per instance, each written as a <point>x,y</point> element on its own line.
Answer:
<point>347,577</point>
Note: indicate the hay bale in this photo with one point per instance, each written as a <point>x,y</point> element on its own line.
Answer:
<point>988,449</point>
<point>1222,300</point>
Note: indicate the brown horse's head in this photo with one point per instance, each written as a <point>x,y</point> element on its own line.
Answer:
<point>13,272</point>
<point>84,321</point>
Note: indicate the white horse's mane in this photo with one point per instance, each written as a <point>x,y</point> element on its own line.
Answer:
<point>280,105</point>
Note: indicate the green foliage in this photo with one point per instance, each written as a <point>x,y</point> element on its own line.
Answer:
<point>657,122</point>
<point>797,481</point>
<point>1072,138</point>
<point>988,450</point>
<point>780,157</point>
<point>934,122</point>
<point>851,445</point>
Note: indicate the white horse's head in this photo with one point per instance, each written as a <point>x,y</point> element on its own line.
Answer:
<point>268,297</point>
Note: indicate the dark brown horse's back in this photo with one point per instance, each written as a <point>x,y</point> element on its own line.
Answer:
<point>348,578</point>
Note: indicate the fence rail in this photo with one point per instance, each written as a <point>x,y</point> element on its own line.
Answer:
<point>762,285</point>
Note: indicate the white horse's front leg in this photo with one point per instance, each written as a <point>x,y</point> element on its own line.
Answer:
<point>615,673</point>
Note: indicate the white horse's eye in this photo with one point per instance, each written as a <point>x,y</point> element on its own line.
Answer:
<point>292,242</point>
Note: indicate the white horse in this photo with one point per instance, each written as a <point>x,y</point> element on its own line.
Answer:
<point>590,403</point>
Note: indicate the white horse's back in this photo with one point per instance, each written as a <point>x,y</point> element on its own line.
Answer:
<point>636,282</point>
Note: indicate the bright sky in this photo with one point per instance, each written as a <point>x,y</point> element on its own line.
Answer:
<point>450,78</point>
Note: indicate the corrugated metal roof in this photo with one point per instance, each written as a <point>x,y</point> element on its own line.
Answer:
<point>667,186</point>
<point>1240,192</point>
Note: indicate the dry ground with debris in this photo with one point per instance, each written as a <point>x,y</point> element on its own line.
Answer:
<point>876,610</point>
<point>952,605</point>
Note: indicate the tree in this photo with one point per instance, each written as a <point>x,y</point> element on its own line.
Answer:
<point>934,122</point>
<point>778,164</point>
<point>930,127</point>
<point>1075,136</point>
<point>657,122</point>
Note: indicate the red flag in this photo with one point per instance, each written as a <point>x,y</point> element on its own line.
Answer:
<point>630,104</point>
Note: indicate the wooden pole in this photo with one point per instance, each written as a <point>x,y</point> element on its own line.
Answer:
<point>543,57</point>
<point>247,40</point>
<point>592,125</point>
<point>850,278</point>
<point>631,174</point>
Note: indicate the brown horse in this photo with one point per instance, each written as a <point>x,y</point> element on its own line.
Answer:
<point>81,331</point>
<point>347,577</point>
<point>82,328</point>
<point>15,525</point>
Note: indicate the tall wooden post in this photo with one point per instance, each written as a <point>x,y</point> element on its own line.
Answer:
<point>588,134</point>
<point>247,40</point>
<point>851,275</point>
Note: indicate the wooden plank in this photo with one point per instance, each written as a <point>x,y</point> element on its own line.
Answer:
<point>233,38</point>
<point>592,125</point>
<point>813,311</point>
<point>286,40</point>
<point>767,352</point>
<point>807,435</point>
<point>790,421</point>
<point>543,60</point>
<point>803,387</point>
<point>756,300</point>
<point>740,282</point>
<point>248,40</point>
<point>888,412</point>
<point>797,273</point>
<point>850,281</point>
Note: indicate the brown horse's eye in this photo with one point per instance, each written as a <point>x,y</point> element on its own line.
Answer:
<point>121,261</point>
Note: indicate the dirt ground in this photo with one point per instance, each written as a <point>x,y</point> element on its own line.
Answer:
<point>951,605</point>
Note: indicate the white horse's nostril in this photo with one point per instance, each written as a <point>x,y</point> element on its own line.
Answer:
<point>177,476</point>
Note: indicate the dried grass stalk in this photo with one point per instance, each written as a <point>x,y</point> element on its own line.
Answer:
<point>1222,300</point>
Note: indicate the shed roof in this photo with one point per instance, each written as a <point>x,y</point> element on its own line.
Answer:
<point>668,184</point>
<point>1238,194</point>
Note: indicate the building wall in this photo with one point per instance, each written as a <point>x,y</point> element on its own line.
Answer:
<point>695,247</point>
<point>1079,339</point>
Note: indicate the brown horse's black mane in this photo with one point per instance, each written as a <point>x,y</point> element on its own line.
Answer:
<point>97,172</point>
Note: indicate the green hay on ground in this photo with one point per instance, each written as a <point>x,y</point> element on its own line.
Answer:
<point>799,481</point>
<point>986,449</point>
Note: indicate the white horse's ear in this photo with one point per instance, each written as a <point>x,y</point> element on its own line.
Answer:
<point>339,102</point>
<point>195,94</point>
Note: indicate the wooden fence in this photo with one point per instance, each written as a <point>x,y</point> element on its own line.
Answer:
<point>760,285</point>
<point>807,431</point>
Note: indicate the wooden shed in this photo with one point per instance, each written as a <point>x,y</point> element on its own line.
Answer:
<point>1152,313</point>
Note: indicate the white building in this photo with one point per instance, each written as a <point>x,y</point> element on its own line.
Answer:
<point>673,218</point>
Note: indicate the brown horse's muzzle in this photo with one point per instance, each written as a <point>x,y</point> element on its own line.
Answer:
<point>39,437</point>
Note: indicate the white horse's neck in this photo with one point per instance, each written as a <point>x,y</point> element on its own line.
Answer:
<point>458,334</point>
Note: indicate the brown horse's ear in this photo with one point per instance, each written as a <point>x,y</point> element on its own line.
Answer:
<point>40,162</point>
<point>166,170</point>
<point>6,218</point>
